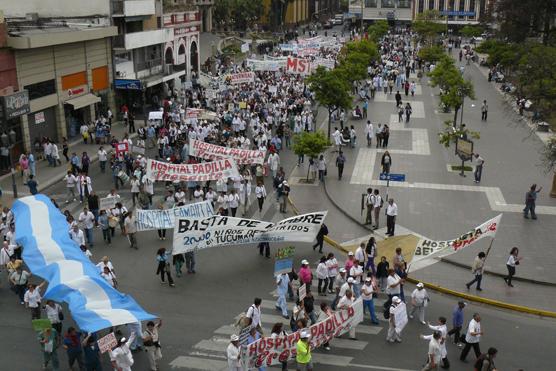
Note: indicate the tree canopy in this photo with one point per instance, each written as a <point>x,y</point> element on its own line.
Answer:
<point>377,30</point>
<point>521,19</point>
<point>237,14</point>
<point>432,54</point>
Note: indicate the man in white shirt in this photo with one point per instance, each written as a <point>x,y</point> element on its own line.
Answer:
<point>345,302</point>
<point>391,213</point>
<point>377,207</point>
<point>393,283</point>
<point>77,235</point>
<point>131,230</point>
<point>71,181</point>
<point>434,353</point>
<point>369,132</point>
<point>121,356</point>
<point>254,312</point>
<point>443,330</point>
<point>473,337</point>
<point>102,158</point>
<point>87,219</point>
<point>360,254</point>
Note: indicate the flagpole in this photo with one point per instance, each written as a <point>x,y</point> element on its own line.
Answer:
<point>489,247</point>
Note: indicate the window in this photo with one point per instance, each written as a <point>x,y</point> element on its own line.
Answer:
<point>461,8</point>
<point>441,5</point>
<point>370,3</point>
<point>451,8</point>
<point>41,89</point>
<point>472,8</point>
<point>431,4</point>
<point>404,4</point>
<point>388,3</point>
<point>421,6</point>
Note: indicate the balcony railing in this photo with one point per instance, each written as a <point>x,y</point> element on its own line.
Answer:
<point>148,65</point>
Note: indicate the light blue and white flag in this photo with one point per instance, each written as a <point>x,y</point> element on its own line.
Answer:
<point>49,252</point>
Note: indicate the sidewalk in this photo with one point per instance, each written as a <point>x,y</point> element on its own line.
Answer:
<point>47,176</point>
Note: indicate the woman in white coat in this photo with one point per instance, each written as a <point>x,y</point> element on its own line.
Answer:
<point>84,186</point>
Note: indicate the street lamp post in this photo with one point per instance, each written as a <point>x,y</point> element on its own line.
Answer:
<point>14,185</point>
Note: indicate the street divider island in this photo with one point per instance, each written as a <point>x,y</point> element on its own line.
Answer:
<point>147,220</point>
<point>269,351</point>
<point>201,233</point>
<point>214,170</point>
<point>210,151</point>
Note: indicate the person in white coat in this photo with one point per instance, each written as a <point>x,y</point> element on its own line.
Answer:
<point>84,186</point>
<point>121,356</point>
<point>233,353</point>
<point>419,301</point>
<point>443,330</point>
<point>273,163</point>
<point>337,138</point>
<point>369,133</point>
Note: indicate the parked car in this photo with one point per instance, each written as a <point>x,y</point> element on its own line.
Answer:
<point>328,24</point>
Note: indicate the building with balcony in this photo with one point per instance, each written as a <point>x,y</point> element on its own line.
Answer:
<point>459,12</point>
<point>374,10</point>
<point>61,54</point>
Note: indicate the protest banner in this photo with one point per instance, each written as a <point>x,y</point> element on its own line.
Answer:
<point>122,148</point>
<point>269,351</point>
<point>298,66</point>
<point>263,65</point>
<point>147,220</point>
<point>107,342</point>
<point>241,78</point>
<point>194,233</point>
<point>107,203</point>
<point>193,113</point>
<point>210,151</point>
<point>400,317</point>
<point>168,172</point>
<point>302,292</point>
<point>426,248</point>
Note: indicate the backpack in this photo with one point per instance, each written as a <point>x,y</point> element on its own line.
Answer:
<point>386,312</point>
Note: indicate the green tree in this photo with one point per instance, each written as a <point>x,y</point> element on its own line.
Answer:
<point>377,30</point>
<point>536,77</point>
<point>520,19</point>
<point>548,157</point>
<point>221,13</point>
<point>471,31</point>
<point>331,90</point>
<point>245,13</point>
<point>310,144</point>
<point>451,133</point>
<point>432,54</point>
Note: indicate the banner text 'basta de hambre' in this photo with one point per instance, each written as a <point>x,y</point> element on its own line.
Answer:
<point>214,170</point>
<point>201,233</point>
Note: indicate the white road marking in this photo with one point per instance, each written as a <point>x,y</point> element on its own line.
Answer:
<point>373,367</point>
<point>196,363</point>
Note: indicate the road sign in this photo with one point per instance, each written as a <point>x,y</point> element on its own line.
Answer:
<point>392,177</point>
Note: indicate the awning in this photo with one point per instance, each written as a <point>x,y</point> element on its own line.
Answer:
<point>83,101</point>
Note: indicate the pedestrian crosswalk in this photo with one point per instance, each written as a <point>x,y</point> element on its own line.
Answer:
<point>210,354</point>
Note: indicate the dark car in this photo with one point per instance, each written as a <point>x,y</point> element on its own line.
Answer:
<point>327,25</point>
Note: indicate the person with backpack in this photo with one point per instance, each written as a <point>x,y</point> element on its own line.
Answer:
<point>472,337</point>
<point>254,314</point>
<point>485,362</point>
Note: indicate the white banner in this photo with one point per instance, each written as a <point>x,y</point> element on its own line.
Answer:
<point>241,78</point>
<point>400,317</point>
<point>268,351</point>
<point>147,220</point>
<point>107,203</point>
<point>193,233</point>
<point>168,172</point>
<point>210,151</point>
<point>425,248</point>
<point>264,65</point>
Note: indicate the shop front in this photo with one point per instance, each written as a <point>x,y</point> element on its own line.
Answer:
<point>12,107</point>
<point>42,124</point>
<point>78,109</point>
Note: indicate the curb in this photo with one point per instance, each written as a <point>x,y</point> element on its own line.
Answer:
<point>522,279</point>
<point>444,290</point>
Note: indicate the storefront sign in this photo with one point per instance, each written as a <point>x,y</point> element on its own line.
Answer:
<point>39,118</point>
<point>269,351</point>
<point>74,92</point>
<point>127,84</point>
<point>210,151</point>
<point>168,172</point>
<point>16,104</point>
<point>193,233</point>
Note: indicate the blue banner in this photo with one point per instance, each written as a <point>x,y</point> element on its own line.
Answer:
<point>127,84</point>
<point>50,253</point>
<point>283,266</point>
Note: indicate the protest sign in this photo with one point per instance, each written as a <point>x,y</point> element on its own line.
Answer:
<point>302,292</point>
<point>121,148</point>
<point>194,233</point>
<point>168,172</point>
<point>107,342</point>
<point>107,203</point>
<point>242,105</point>
<point>283,266</point>
<point>272,351</point>
<point>41,324</point>
<point>273,89</point>
<point>400,317</point>
<point>193,113</point>
<point>241,78</point>
<point>425,248</point>
<point>210,151</point>
<point>147,220</point>
<point>298,66</point>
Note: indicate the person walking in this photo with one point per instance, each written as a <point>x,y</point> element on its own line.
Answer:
<point>233,354</point>
<point>377,207</point>
<point>370,252</point>
<point>19,279</point>
<point>303,352</point>
<point>369,203</point>
<point>419,301</point>
<point>91,352</point>
<point>434,353</point>
<point>332,266</point>
<point>323,231</point>
<point>322,276</point>
<point>513,260</point>
<point>102,159</point>
<point>121,356</point>
<point>340,162</point>
<point>284,196</point>
<point>486,360</point>
<point>151,343</point>
<point>72,345</point>
<point>382,269</point>
<point>345,303</point>
<point>408,112</point>
<point>48,338</point>
<point>472,337</point>
<point>530,200</point>
<point>305,275</point>
<point>32,299</point>
<point>162,269</point>
<point>87,220</point>
<point>477,269</point>
<point>130,230</point>
<point>54,314</point>
<point>484,110</point>
<point>367,291</point>
<point>393,284</point>
<point>386,162</point>
<point>282,286</point>
<point>457,322</point>
<point>391,214</point>
<point>443,330</point>
<point>260,193</point>
<point>394,332</point>
<point>478,168</point>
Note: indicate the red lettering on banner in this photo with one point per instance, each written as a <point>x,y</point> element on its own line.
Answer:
<point>252,348</point>
<point>492,227</point>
